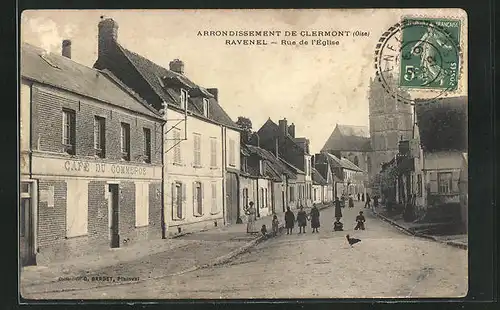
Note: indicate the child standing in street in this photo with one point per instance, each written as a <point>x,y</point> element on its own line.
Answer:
<point>275,225</point>
<point>360,219</point>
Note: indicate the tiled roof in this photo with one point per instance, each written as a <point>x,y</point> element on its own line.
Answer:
<point>157,76</point>
<point>289,165</point>
<point>317,178</point>
<point>348,138</point>
<point>274,162</point>
<point>64,73</point>
<point>442,124</point>
<point>342,163</point>
<point>356,131</point>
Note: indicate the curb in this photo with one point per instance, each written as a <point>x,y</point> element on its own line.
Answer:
<point>409,232</point>
<point>217,261</point>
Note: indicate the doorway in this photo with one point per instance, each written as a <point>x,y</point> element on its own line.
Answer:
<point>26,226</point>
<point>114,207</point>
<point>283,200</point>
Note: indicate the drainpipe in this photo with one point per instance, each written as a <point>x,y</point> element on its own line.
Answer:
<point>224,167</point>
<point>164,225</point>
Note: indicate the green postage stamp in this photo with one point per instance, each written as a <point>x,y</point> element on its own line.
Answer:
<point>430,53</point>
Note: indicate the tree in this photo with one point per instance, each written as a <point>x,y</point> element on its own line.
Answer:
<point>246,124</point>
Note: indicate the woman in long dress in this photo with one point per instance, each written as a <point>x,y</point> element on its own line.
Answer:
<point>250,211</point>
<point>338,208</point>
<point>289,220</point>
<point>314,219</point>
<point>302,220</point>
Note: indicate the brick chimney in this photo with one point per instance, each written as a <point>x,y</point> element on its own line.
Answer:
<point>108,36</point>
<point>291,130</point>
<point>283,126</point>
<point>177,65</point>
<point>66,48</point>
<point>215,92</point>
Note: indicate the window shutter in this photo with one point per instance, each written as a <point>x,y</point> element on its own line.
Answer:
<point>454,181</point>
<point>433,182</point>
<point>195,200</point>
<point>184,198</point>
<point>173,200</point>
<point>202,188</point>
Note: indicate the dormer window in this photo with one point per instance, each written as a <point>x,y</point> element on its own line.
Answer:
<point>184,98</point>
<point>205,107</point>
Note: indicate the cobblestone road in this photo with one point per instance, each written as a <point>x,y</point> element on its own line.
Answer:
<point>387,263</point>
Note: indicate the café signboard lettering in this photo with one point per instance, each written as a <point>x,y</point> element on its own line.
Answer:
<point>78,165</point>
<point>83,168</point>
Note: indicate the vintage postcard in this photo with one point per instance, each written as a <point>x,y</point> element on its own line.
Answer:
<point>241,154</point>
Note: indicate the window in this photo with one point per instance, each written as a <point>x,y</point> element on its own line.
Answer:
<point>356,161</point>
<point>315,194</point>
<point>232,159</point>
<point>76,208</point>
<point>262,198</point>
<point>125,141</point>
<point>69,128</point>
<point>205,107</point>
<point>197,149</point>
<point>177,145</point>
<point>292,193</point>
<point>444,182</point>
<point>245,197</point>
<point>198,198</point>
<point>419,185</point>
<point>147,145</point>
<point>100,136</point>
<point>213,152</point>
<point>184,99</point>
<point>141,204</point>
<point>214,209</point>
<point>266,197</point>
<point>178,198</point>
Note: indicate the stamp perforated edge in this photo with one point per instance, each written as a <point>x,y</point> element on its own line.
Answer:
<point>461,44</point>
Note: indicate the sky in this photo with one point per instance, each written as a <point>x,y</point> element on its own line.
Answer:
<point>314,87</point>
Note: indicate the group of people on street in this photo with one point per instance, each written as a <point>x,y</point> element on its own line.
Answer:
<point>302,217</point>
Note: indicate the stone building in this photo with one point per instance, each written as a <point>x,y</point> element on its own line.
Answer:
<point>91,160</point>
<point>390,122</point>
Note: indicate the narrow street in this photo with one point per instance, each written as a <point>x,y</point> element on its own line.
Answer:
<point>386,263</point>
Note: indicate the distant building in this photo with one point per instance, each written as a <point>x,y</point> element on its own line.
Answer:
<point>91,160</point>
<point>320,188</point>
<point>390,121</point>
<point>439,161</point>
<point>292,151</point>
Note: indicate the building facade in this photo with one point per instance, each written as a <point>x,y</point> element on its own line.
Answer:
<point>294,153</point>
<point>390,122</point>
<point>201,149</point>
<point>91,166</point>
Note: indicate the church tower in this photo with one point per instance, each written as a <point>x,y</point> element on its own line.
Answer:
<point>390,121</point>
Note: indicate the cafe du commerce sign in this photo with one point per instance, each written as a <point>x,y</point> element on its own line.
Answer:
<point>84,168</point>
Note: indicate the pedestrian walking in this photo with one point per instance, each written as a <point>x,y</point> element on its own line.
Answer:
<point>302,220</point>
<point>314,219</point>
<point>250,211</point>
<point>337,225</point>
<point>275,225</point>
<point>363,197</point>
<point>367,203</point>
<point>289,220</point>
<point>360,220</point>
<point>359,197</point>
<point>338,208</point>
<point>351,201</point>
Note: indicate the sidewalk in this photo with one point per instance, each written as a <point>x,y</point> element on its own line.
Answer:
<point>459,241</point>
<point>145,261</point>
